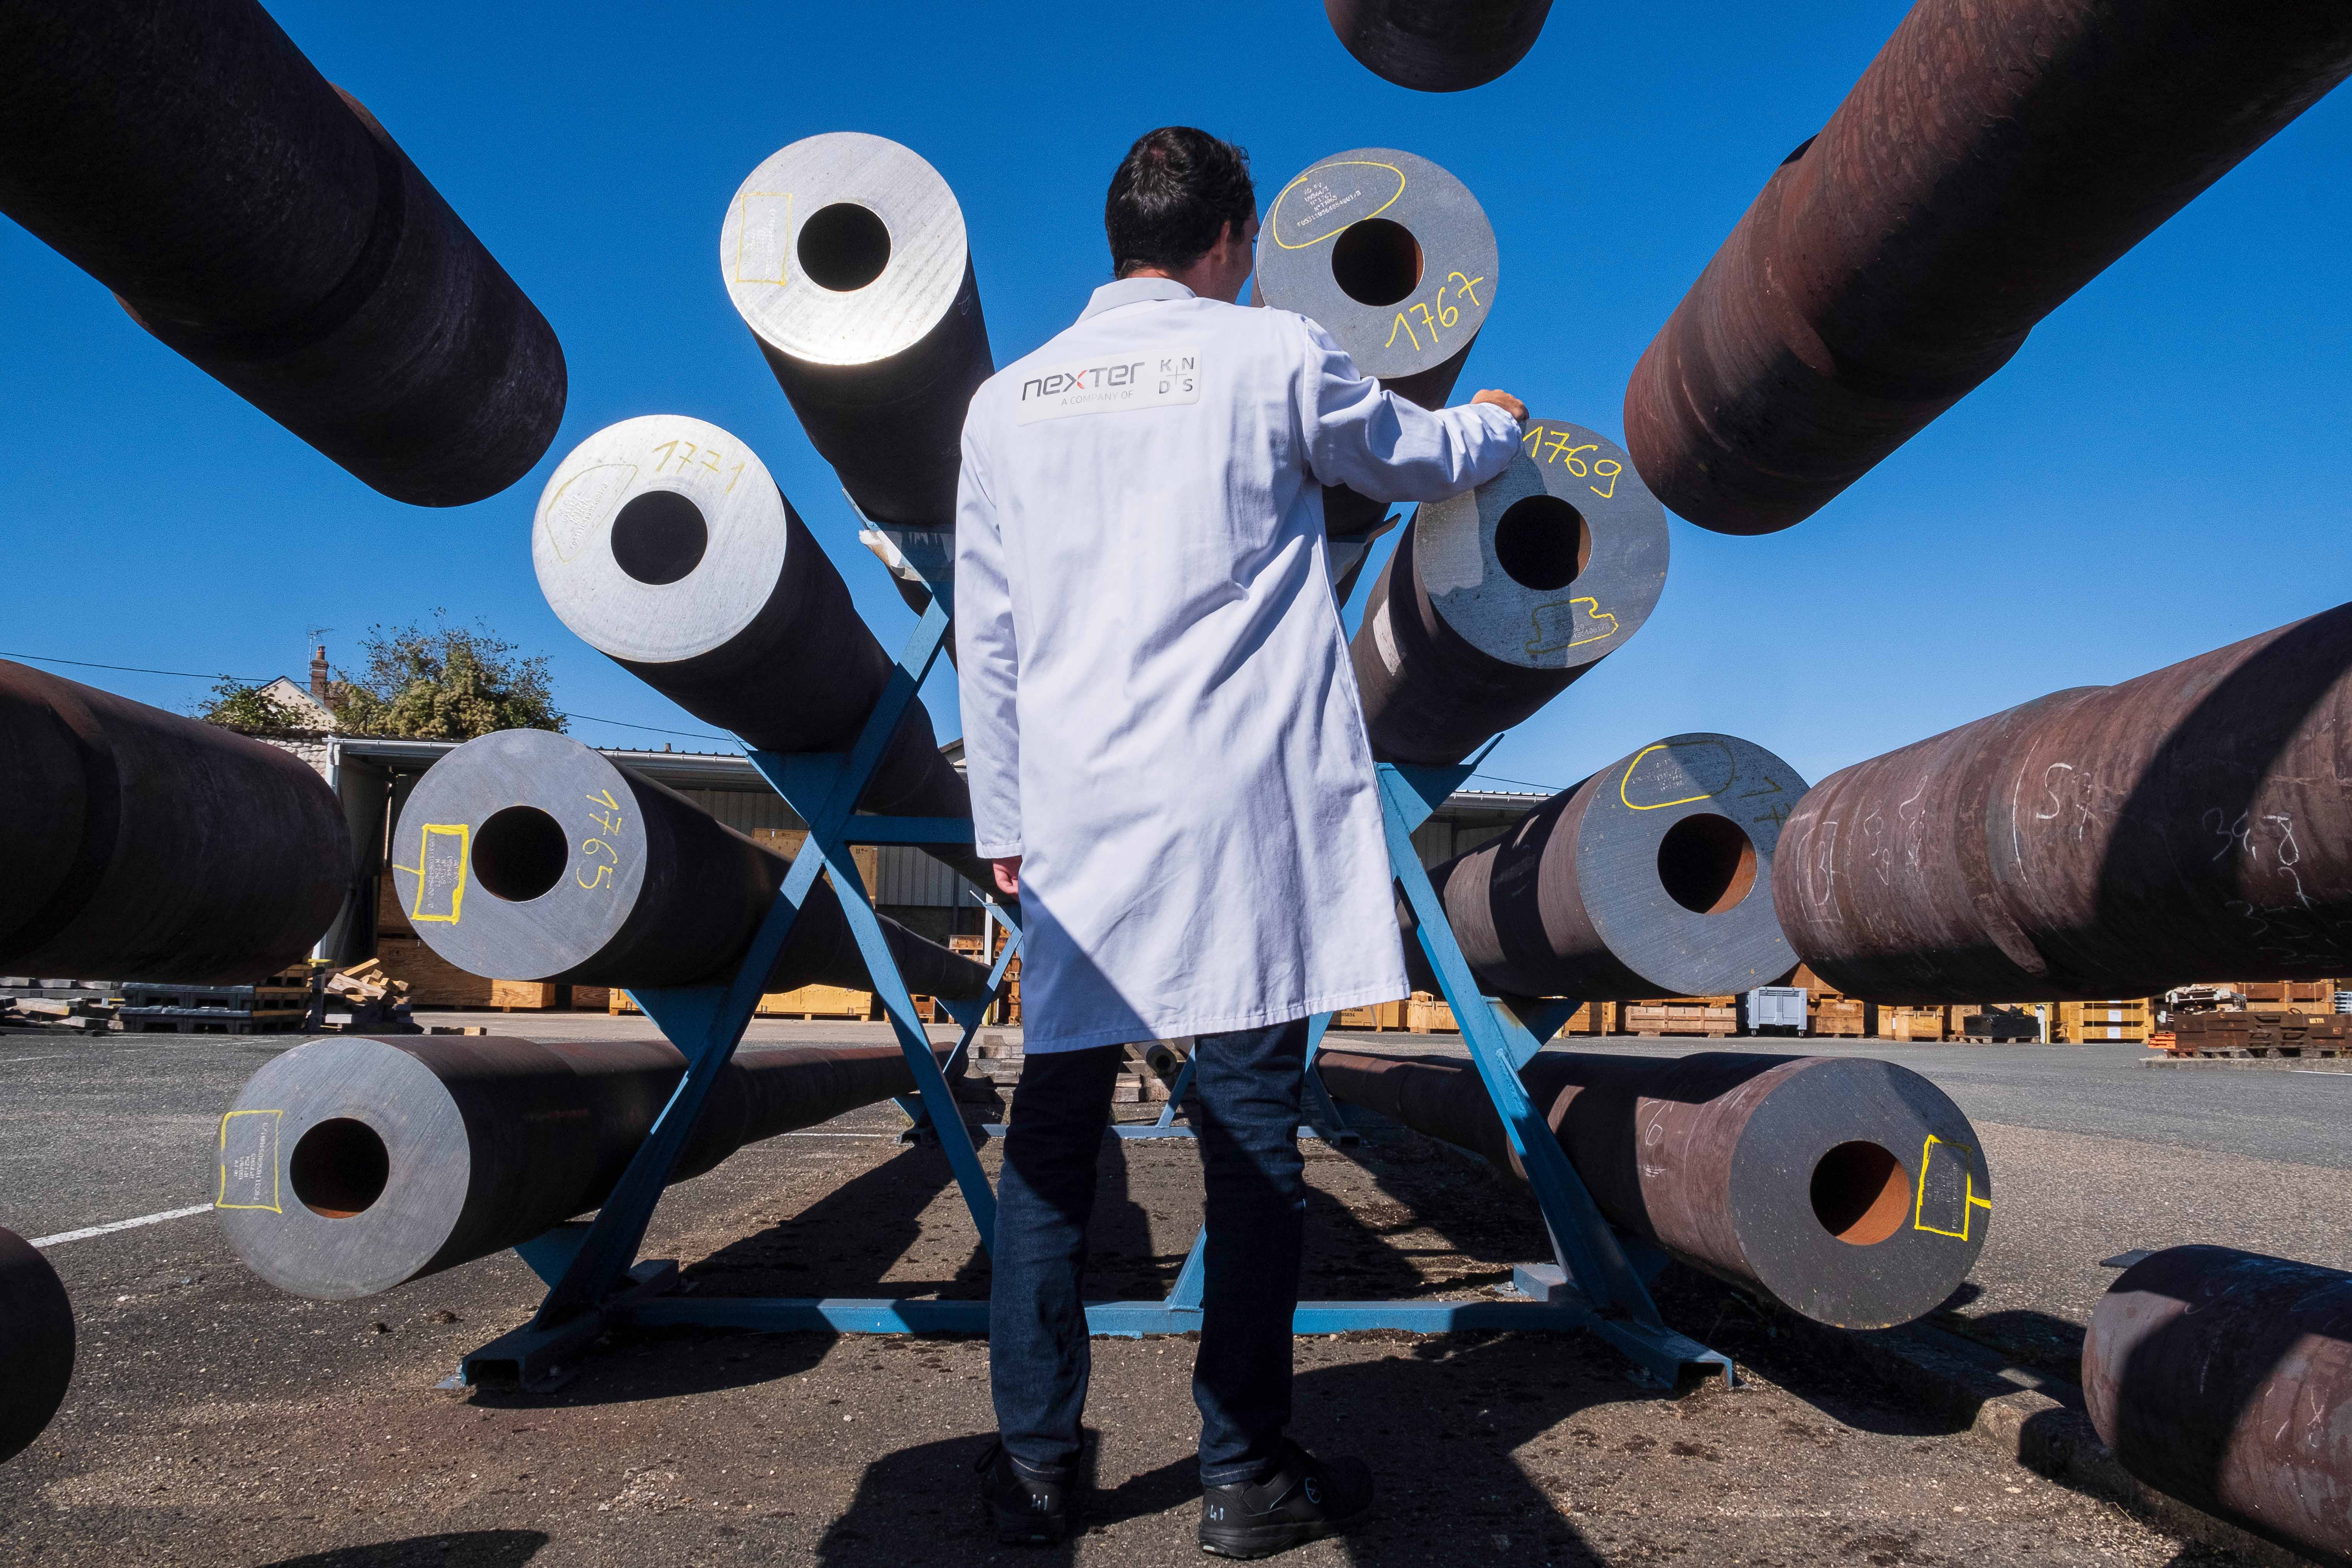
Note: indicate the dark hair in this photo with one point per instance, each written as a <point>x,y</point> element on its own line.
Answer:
<point>1173,194</point>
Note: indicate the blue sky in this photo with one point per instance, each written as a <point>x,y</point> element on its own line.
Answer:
<point>2160,472</point>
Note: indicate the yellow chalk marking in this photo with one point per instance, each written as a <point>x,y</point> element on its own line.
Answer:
<point>424,868</point>
<point>1662,804</point>
<point>1273,219</point>
<point>1578,627</point>
<point>269,1147</point>
<point>1970,1203</point>
<point>781,262</point>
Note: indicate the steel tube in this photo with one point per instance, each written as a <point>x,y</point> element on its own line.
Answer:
<point>2225,1378</point>
<point>1650,878</point>
<point>1851,1191</point>
<point>528,855</point>
<point>664,543</point>
<point>1394,257</point>
<point>261,223</point>
<point>1993,159</point>
<point>144,846</point>
<point>2103,841</point>
<point>1444,47</point>
<point>1494,601</point>
<point>845,255</point>
<point>349,1165</point>
<point>37,1344</point>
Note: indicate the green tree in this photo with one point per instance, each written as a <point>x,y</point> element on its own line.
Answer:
<point>241,707</point>
<point>443,682</point>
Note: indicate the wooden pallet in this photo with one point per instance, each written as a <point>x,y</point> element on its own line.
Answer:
<point>1379,1015</point>
<point>1652,1021</point>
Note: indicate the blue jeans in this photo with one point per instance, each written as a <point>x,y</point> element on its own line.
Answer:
<point>1038,1353</point>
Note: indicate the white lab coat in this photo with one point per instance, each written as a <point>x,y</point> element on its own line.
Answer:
<point>1158,713</point>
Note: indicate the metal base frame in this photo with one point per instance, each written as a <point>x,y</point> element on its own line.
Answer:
<point>595,1283</point>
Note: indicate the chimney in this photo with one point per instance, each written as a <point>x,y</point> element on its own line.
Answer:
<point>318,673</point>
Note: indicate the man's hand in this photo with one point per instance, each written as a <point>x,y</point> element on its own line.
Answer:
<point>1008,875</point>
<point>1506,403</point>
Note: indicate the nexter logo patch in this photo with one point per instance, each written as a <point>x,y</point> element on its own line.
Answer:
<point>1155,380</point>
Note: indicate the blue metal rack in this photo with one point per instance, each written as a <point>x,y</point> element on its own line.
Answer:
<point>1597,1283</point>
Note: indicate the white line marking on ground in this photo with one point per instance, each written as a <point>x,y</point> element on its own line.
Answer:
<point>841,1135</point>
<point>59,1057</point>
<point>87,1231</point>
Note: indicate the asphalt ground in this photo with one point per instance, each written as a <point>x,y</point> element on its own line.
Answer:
<point>214,1420</point>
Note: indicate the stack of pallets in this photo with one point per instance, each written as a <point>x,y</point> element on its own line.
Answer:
<point>280,1002</point>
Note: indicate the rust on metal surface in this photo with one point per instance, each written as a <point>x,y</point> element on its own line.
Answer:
<point>143,845</point>
<point>1993,159</point>
<point>1851,1191</point>
<point>2225,1378</point>
<point>2103,841</point>
<point>259,221</point>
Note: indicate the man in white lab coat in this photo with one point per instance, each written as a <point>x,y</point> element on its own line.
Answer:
<point>1168,764</point>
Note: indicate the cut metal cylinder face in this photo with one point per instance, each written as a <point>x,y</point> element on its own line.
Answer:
<point>528,855</point>
<point>1437,48</point>
<point>259,222</point>
<point>1653,877</point>
<point>1854,1192</point>
<point>2224,1379</point>
<point>1390,255</point>
<point>37,1344</point>
<point>665,545</point>
<point>349,1165</point>
<point>1394,257</point>
<point>2102,841</point>
<point>143,845</point>
<point>845,255</point>
<point>1494,601</point>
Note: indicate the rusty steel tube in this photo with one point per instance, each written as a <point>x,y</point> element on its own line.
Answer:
<point>37,1344</point>
<point>1650,878</point>
<point>1437,45</point>
<point>526,855</point>
<point>144,846</point>
<point>1851,1191</point>
<point>2104,841</point>
<point>1496,600</point>
<point>349,1165</point>
<point>259,222</point>
<point>1993,159</point>
<point>2225,1378</point>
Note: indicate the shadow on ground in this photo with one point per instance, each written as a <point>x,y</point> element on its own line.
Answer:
<point>456,1549</point>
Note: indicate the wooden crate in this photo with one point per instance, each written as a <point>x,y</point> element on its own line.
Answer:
<point>1838,1019</point>
<point>1427,1014</point>
<point>432,982</point>
<point>2080,1022</point>
<point>1378,1016</point>
<point>1651,1020</point>
<point>529,996</point>
<point>787,841</point>
<point>1592,1018</point>
<point>816,1002</point>
<point>618,1002</point>
<point>1914,1023</point>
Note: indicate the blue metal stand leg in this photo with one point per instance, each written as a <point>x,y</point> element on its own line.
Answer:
<point>1598,1288</point>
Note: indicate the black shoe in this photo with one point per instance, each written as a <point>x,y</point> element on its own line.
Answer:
<point>1027,1511</point>
<point>1304,1499</point>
